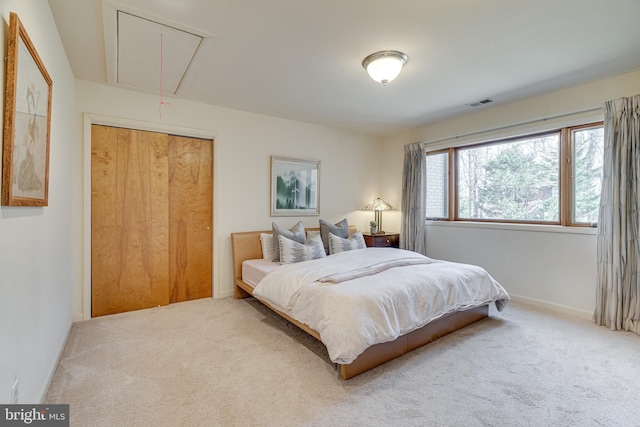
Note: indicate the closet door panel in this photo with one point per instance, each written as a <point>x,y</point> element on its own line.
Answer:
<point>130,220</point>
<point>190,217</point>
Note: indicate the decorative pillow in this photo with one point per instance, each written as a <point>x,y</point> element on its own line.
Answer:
<point>338,244</point>
<point>341,229</point>
<point>266,241</point>
<point>292,251</point>
<point>310,234</point>
<point>295,233</point>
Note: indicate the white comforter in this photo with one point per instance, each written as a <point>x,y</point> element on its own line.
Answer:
<point>362,297</point>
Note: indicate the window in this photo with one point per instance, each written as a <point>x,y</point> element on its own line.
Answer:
<point>549,178</point>
<point>438,185</point>
<point>587,152</point>
<point>514,180</point>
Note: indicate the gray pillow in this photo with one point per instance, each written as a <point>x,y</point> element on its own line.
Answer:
<point>292,251</point>
<point>295,233</point>
<point>338,244</point>
<point>341,229</point>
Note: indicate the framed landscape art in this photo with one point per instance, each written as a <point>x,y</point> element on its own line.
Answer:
<point>27,123</point>
<point>295,187</point>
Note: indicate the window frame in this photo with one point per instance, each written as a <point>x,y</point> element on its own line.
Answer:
<point>565,177</point>
<point>570,150</point>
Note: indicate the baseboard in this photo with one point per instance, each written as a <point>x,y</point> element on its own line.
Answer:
<point>225,294</point>
<point>52,370</point>
<point>583,314</point>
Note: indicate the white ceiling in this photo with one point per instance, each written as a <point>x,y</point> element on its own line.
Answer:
<point>301,59</point>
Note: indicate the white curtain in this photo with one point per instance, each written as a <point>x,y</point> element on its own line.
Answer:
<point>412,230</point>
<point>618,292</point>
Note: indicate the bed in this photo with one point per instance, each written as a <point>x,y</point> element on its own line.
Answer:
<point>247,247</point>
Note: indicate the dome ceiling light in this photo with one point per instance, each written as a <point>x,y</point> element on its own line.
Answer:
<point>384,66</point>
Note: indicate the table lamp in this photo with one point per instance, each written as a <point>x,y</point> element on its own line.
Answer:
<point>379,205</point>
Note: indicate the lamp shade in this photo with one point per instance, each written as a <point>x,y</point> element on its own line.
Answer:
<point>378,205</point>
<point>384,66</point>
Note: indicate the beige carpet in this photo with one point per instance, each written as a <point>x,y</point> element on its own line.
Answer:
<point>234,363</point>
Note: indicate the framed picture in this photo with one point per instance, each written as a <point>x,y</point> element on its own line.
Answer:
<point>295,187</point>
<point>27,123</point>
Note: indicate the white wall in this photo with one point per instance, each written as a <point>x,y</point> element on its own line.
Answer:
<point>551,265</point>
<point>538,263</point>
<point>38,272</point>
<point>243,145</point>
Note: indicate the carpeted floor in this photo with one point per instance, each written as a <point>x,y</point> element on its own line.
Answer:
<point>234,363</point>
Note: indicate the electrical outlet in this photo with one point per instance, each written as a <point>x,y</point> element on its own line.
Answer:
<point>14,393</point>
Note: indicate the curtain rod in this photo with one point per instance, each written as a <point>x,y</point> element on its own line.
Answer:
<point>513,125</point>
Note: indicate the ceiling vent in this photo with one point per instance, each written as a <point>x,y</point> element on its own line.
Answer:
<point>482,102</point>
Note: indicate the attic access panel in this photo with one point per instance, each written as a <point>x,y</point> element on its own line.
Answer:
<point>139,43</point>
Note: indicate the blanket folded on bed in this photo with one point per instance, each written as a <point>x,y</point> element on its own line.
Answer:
<point>373,269</point>
<point>281,287</point>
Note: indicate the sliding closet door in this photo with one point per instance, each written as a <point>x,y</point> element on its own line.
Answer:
<point>190,217</point>
<point>129,220</point>
<point>151,219</point>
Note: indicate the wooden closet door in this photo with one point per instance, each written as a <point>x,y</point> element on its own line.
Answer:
<point>129,220</point>
<point>190,217</point>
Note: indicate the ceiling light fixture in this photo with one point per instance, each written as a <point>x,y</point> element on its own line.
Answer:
<point>384,66</point>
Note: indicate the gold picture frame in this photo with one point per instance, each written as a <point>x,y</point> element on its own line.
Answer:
<point>27,123</point>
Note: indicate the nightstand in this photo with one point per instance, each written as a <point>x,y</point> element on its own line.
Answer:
<point>390,240</point>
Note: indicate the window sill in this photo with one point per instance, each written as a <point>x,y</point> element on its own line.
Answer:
<point>535,228</point>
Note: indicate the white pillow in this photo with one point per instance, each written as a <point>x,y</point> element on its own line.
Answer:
<point>292,251</point>
<point>338,244</point>
<point>266,241</point>
<point>310,234</point>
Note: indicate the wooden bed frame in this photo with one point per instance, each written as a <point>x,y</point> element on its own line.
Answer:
<point>246,245</point>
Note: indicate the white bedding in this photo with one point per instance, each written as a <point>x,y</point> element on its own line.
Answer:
<point>355,314</point>
<point>254,270</point>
